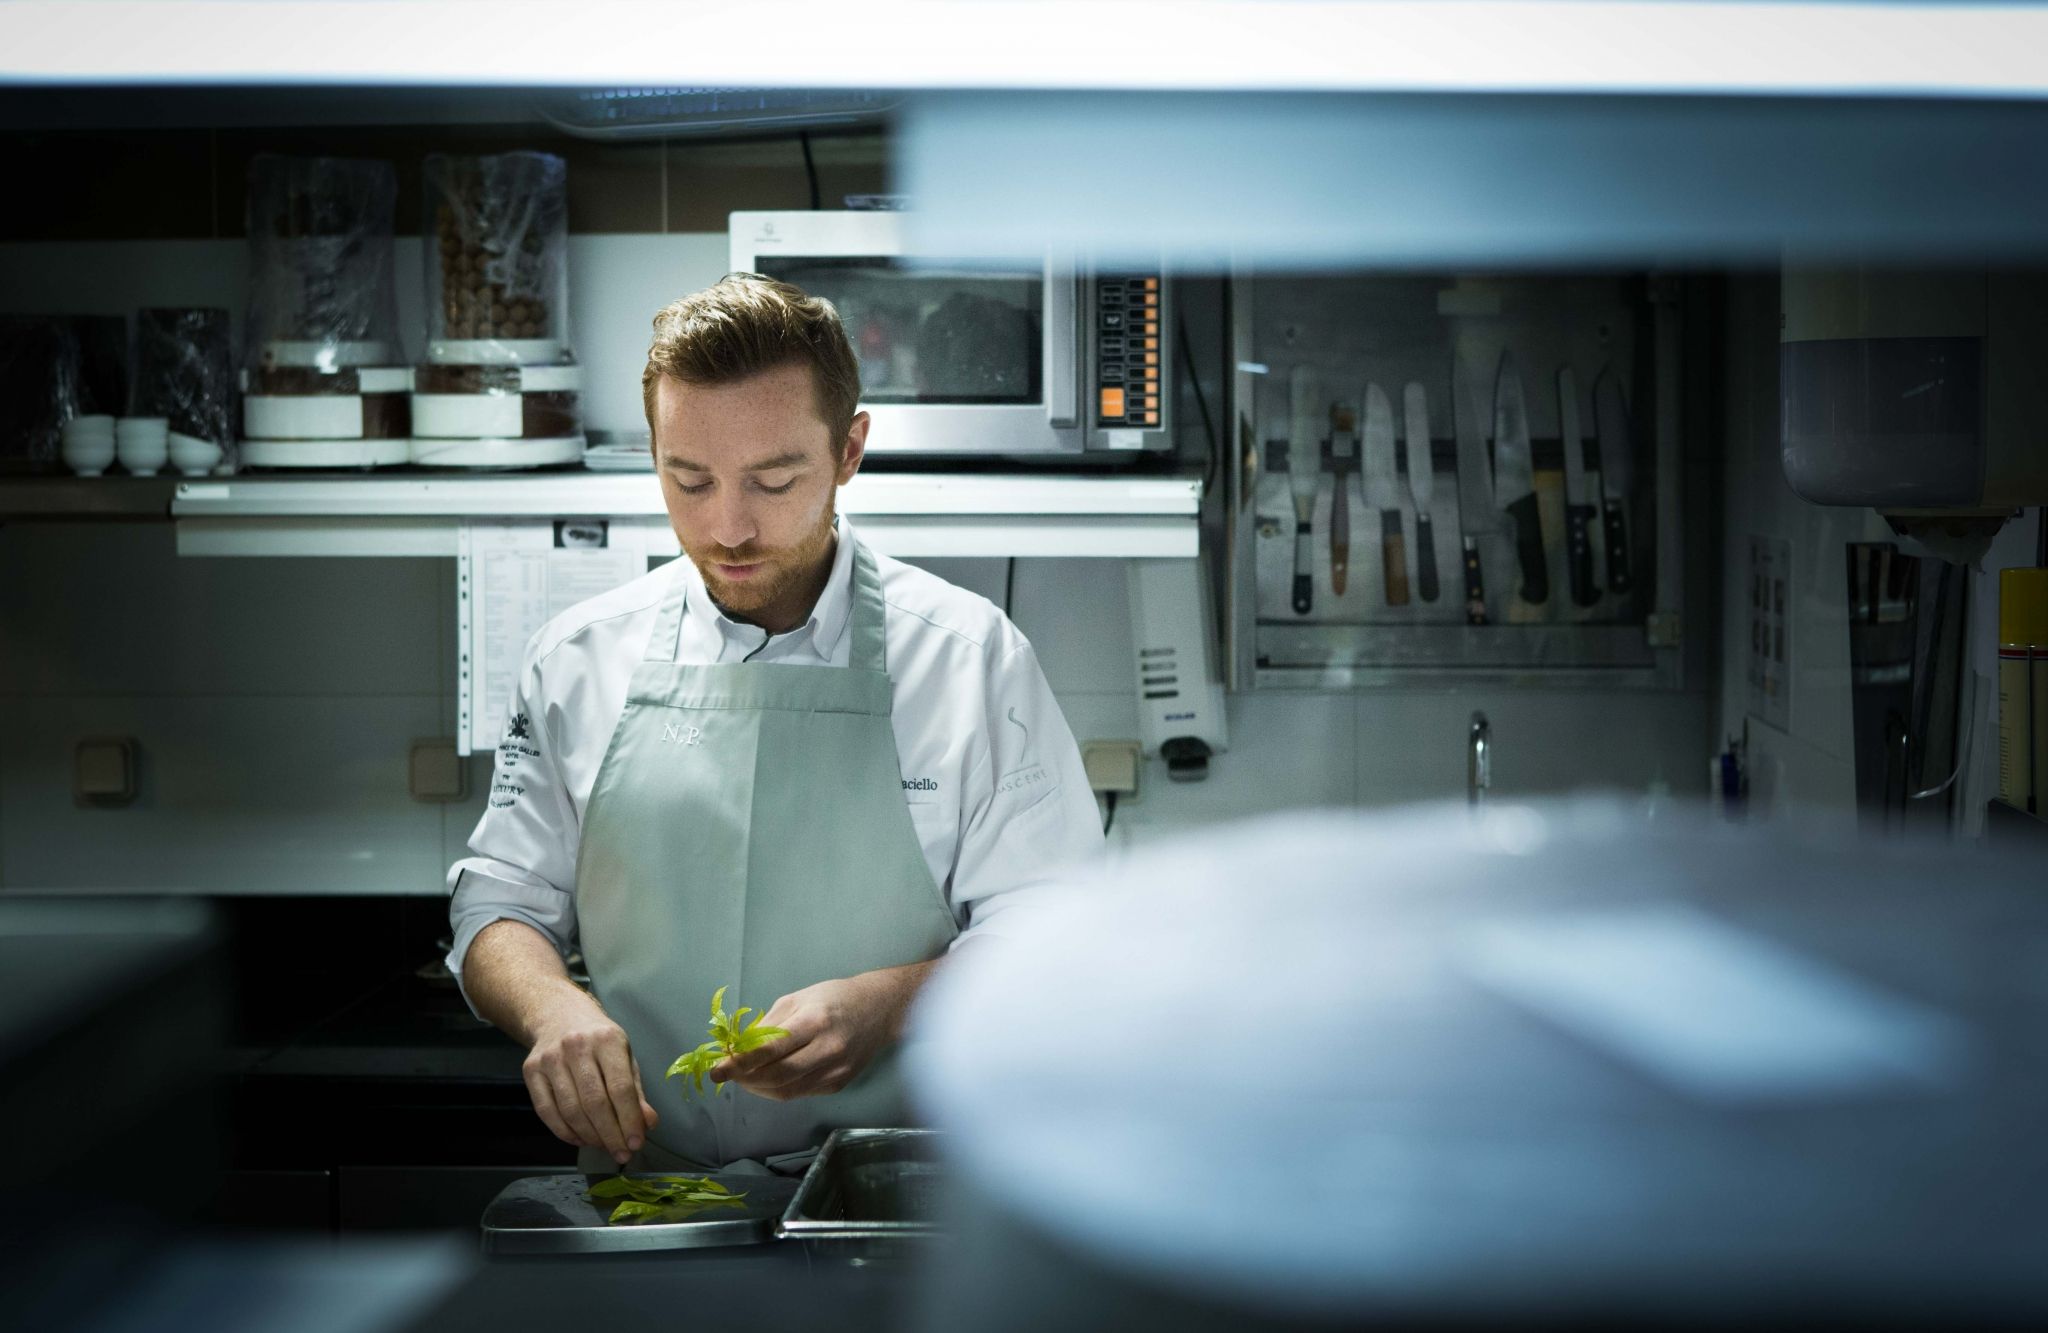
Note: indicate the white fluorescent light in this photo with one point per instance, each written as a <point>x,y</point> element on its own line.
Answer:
<point>1987,50</point>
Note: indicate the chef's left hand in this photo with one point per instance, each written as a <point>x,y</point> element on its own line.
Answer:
<point>835,1029</point>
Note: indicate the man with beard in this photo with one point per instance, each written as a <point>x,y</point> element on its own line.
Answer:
<point>782,764</point>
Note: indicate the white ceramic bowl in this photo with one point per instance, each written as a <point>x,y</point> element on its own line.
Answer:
<point>87,457</point>
<point>141,456</point>
<point>193,456</point>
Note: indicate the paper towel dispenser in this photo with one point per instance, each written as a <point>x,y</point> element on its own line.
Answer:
<point>1914,390</point>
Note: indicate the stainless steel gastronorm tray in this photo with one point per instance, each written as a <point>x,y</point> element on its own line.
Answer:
<point>549,1215</point>
<point>868,1184</point>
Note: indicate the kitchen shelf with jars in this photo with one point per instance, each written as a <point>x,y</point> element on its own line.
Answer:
<point>1442,479</point>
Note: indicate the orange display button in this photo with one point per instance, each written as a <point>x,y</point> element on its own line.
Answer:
<point>1149,329</point>
<point>1151,284</point>
<point>1149,343</point>
<point>1151,358</point>
<point>1151,418</point>
<point>1112,402</point>
<point>1151,372</point>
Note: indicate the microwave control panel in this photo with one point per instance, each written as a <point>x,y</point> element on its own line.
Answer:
<point>1130,378</point>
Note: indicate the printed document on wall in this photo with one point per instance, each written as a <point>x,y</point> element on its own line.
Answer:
<point>512,579</point>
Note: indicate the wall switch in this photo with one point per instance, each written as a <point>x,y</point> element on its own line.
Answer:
<point>1112,766</point>
<point>437,772</point>
<point>103,771</point>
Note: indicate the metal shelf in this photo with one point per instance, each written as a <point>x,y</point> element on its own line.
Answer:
<point>902,514</point>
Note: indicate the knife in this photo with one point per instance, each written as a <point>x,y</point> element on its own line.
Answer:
<point>1421,480</point>
<point>1343,454</point>
<point>1382,493</point>
<point>1617,473</point>
<point>1302,478</point>
<point>1477,517</point>
<point>1514,481</point>
<point>1579,499</point>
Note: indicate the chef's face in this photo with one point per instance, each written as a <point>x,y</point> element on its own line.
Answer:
<point>749,474</point>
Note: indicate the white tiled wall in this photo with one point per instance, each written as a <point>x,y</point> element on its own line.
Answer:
<point>275,703</point>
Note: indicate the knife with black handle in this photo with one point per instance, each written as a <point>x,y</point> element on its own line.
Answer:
<point>1579,506</point>
<point>1477,517</point>
<point>1421,483</point>
<point>1303,479</point>
<point>1617,473</point>
<point>1515,478</point>
<point>1343,455</point>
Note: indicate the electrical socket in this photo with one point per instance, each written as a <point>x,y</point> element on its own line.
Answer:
<point>1112,767</point>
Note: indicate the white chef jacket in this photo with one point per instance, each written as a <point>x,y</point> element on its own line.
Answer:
<point>990,770</point>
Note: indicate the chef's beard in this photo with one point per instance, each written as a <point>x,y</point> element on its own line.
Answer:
<point>783,573</point>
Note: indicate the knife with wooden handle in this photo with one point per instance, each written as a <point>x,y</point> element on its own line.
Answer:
<point>1382,492</point>
<point>1421,483</point>
<point>1303,479</point>
<point>1343,457</point>
<point>1579,506</point>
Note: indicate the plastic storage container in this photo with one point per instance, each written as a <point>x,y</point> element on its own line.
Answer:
<point>500,387</point>
<point>326,384</point>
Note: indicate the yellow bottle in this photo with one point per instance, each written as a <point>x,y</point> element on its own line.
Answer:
<point>2023,688</point>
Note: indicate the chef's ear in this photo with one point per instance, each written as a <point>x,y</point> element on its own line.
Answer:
<point>855,448</point>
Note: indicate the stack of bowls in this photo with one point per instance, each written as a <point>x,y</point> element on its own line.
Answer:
<point>88,444</point>
<point>142,443</point>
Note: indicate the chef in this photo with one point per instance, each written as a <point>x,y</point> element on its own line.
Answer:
<point>783,764</point>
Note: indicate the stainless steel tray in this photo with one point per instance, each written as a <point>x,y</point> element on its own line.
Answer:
<point>549,1215</point>
<point>868,1184</point>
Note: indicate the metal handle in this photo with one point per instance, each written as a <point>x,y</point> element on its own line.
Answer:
<point>1062,350</point>
<point>1478,759</point>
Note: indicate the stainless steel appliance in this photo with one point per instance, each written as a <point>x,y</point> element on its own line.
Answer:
<point>958,358</point>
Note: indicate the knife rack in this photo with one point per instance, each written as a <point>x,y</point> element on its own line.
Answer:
<point>1448,335</point>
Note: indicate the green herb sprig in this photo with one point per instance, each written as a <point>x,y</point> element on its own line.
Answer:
<point>645,1199</point>
<point>731,1034</point>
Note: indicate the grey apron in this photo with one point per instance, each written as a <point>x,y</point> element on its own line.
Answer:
<point>748,829</point>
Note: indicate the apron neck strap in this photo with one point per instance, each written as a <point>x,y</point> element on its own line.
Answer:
<point>866,621</point>
<point>665,642</point>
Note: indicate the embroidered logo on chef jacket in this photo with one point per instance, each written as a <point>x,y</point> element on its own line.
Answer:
<point>513,752</point>
<point>1029,774</point>
<point>681,732</point>
<point>920,784</point>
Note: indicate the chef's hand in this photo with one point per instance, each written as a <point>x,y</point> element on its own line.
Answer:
<point>585,1083</point>
<point>835,1029</point>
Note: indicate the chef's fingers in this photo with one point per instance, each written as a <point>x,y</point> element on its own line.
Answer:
<point>648,1115</point>
<point>597,1107</point>
<point>544,1106</point>
<point>622,1085</point>
<point>569,1103</point>
<point>761,1057</point>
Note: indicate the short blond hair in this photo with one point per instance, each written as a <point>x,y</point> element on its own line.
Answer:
<point>744,324</point>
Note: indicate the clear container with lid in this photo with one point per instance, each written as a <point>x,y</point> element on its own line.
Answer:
<point>499,387</point>
<point>325,382</point>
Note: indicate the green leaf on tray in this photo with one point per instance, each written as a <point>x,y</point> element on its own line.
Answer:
<point>730,1035</point>
<point>654,1199</point>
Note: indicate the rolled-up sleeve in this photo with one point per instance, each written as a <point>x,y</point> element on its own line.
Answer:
<point>1032,818</point>
<point>523,866</point>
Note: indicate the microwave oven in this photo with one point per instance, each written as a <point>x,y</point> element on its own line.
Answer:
<point>1047,360</point>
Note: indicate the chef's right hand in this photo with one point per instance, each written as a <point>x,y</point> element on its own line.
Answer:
<point>585,1083</point>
